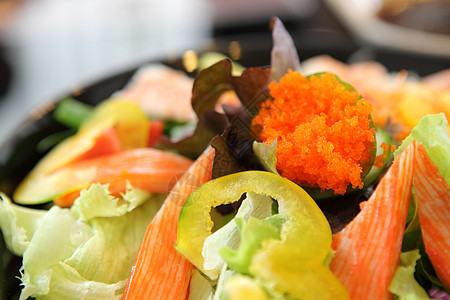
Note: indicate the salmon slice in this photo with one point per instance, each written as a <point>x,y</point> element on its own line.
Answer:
<point>440,80</point>
<point>433,201</point>
<point>158,89</point>
<point>368,248</point>
<point>159,271</point>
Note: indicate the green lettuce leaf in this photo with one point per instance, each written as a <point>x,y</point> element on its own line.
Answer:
<point>425,274</point>
<point>207,59</point>
<point>219,293</point>
<point>258,206</point>
<point>267,155</point>
<point>200,287</point>
<point>86,251</point>
<point>18,224</point>
<point>107,205</point>
<point>404,286</point>
<point>3,268</point>
<point>432,132</point>
<point>253,232</point>
<point>412,238</point>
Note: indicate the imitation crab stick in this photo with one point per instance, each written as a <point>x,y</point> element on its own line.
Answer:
<point>433,200</point>
<point>159,271</point>
<point>368,248</point>
<point>145,168</point>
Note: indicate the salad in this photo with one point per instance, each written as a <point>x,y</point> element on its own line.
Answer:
<point>281,182</point>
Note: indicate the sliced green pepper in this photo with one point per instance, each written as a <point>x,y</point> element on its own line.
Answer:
<point>293,265</point>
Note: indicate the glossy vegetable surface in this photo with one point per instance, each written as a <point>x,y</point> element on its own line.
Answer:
<point>305,234</point>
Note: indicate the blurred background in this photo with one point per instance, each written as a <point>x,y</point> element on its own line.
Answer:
<point>49,48</point>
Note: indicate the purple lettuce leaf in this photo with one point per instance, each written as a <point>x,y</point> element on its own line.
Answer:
<point>284,54</point>
<point>230,133</point>
<point>252,88</point>
<point>209,125</point>
<point>438,293</point>
<point>233,147</point>
<point>209,84</point>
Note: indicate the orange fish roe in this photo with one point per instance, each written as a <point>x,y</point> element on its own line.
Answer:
<point>323,131</point>
<point>380,160</point>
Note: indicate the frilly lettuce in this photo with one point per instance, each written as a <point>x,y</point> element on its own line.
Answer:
<point>404,286</point>
<point>252,207</point>
<point>267,155</point>
<point>432,132</point>
<point>17,224</point>
<point>199,287</point>
<point>255,205</point>
<point>85,252</point>
<point>105,204</point>
<point>412,238</point>
<point>253,232</point>
<point>226,274</point>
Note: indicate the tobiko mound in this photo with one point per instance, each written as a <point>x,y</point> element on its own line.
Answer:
<point>323,130</point>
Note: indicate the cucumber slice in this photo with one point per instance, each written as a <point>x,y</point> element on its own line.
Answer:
<point>383,142</point>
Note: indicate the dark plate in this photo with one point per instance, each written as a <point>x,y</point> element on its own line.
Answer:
<point>20,151</point>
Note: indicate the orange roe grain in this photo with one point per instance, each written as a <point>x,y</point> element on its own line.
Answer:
<point>380,159</point>
<point>322,130</point>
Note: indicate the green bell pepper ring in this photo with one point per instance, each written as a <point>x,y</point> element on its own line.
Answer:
<point>301,252</point>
